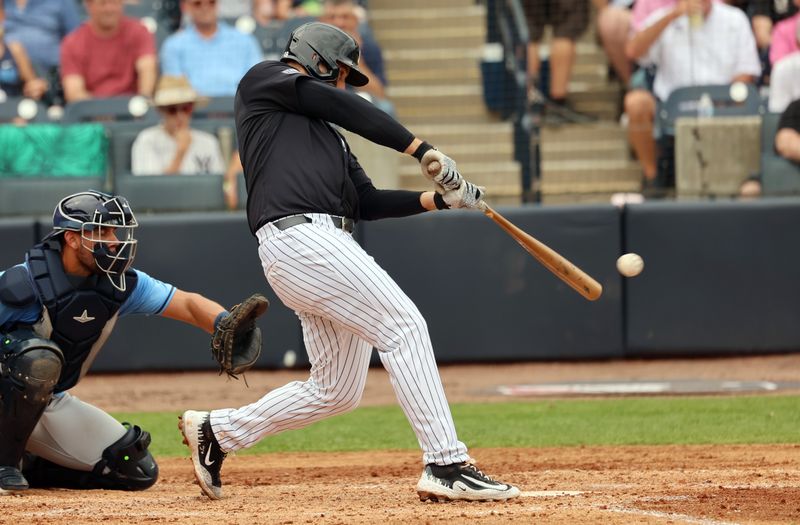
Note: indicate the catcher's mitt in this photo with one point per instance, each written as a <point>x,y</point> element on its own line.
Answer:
<point>236,342</point>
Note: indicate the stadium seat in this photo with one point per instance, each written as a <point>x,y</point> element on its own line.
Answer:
<point>166,193</point>
<point>214,108</point>
<point>37,196</point>
<point>11,109</point>
<point>110,109</point>
<point>683,102</point>
<point>779,176</point>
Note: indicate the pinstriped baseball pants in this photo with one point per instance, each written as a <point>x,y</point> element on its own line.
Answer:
<point>347,305</point>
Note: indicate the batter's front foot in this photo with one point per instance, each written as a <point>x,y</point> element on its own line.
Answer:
<point>461,481</point>
<point>207,456</point>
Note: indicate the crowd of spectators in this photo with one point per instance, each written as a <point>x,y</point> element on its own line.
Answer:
<point>65,51</point>
<point>658,46</point>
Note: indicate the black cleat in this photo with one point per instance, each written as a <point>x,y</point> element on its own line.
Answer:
<point>207,456</point>
<point>12,480</point>
<point>461,481</point>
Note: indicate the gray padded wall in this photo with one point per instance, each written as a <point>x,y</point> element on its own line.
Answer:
<point>719,277</point>
<point>213,254</point>
<point>17,235</point>
<point>486,299</point>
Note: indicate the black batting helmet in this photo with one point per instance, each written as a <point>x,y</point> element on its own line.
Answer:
<point>316,43</point>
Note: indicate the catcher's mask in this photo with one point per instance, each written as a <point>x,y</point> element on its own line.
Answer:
<point>315,43</point>
<point>105,220</point>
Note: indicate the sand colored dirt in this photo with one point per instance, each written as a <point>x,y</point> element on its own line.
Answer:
<point>707,485</point>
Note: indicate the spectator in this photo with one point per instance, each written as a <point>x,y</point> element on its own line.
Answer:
<point>269,13</point>
<point>211,54</point>
<point>342,14</point>
<point>682,54</point>
<point>569,19</point>
<point>787,139</point>
<point>764,14</point>
<point>173,147</point>
<point>17,75</point>
<point>40,25</point>
<point>613,28</point>
<point>784,85</point>
<point>784,37</point>
<point>108,55</point>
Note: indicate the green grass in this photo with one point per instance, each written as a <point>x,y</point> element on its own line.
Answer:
<point>536,423</point>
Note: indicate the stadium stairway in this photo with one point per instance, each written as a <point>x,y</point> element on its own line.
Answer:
<point>432,50</point>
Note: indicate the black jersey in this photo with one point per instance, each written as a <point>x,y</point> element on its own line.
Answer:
<point>296,162</point>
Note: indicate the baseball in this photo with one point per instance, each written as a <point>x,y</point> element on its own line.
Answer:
<point>289,358</point>
<point>630,265</point>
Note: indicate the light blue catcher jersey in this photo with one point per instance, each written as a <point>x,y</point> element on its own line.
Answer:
<point>150,296</point>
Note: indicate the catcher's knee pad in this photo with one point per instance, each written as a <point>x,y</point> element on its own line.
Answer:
<point>29,370</point>
<point>30,365</point>
<point>127,464</point>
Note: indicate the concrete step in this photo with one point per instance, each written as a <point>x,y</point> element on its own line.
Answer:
<point>572,189</point>
<point>456,117</point>
<point>585,150</point>
<point>402,59</point>
<point>583,132</point>
<point>431,76</point>
<point>471,152</point>
<point>425,39</point>
<point>429,19</point>
<point>380,5</point>
<point>443,135</point>
<point>588,169</point>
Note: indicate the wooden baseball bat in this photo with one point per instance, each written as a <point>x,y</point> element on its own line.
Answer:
<point>579,280</point>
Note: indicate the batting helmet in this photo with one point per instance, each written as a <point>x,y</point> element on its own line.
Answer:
<point>88,212</point>
<point>314,44</point>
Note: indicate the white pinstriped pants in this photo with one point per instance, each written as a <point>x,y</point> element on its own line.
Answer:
<point>347,305</point>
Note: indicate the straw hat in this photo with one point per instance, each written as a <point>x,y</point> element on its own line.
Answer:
<point>172,90</point>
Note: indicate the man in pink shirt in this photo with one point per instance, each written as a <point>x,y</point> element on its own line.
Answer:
<point>784,37</point>
<point>108,55</point>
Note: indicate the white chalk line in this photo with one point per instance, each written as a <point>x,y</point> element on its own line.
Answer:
<point>549,493</point>
<point>669,515</point>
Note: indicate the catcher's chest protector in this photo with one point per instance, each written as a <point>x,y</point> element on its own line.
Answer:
<point>78,316</point>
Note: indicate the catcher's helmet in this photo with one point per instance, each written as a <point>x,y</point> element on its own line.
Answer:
<point>316,43</point>
<point>88,212</point>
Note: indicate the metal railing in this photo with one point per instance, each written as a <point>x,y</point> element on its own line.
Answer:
<point>507,26</point>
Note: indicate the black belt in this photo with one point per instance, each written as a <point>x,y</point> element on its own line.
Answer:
<point>343,223</point>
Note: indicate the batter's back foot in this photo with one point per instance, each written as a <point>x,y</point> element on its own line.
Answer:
<point>461,481</point>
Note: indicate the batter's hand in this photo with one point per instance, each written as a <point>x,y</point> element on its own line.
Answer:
<point>467,195</point>
<point>441,169</point>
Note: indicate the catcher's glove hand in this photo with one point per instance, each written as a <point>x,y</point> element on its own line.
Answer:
<point>236,342</point>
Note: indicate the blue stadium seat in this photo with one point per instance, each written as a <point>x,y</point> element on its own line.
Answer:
<point>779,176</point>
<point>215,108</point>
<point>112,109</point>
<point>37,196</point>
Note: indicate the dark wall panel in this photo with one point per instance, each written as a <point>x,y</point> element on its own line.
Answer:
<point>213,254</point>
<point>16,238</point>
<point>486,299</point>
<point>719,277</point>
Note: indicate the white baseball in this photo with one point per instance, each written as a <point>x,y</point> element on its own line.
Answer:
<point>289,358</point>
<point>630,265</point>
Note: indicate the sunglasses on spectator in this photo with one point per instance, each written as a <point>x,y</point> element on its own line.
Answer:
<point>183,108</point>
<point>200,3</point>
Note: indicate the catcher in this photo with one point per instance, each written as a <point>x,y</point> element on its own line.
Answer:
<point>56,311</point>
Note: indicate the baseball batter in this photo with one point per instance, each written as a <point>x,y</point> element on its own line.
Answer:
<point>306,190</point>
<point>56,311</point>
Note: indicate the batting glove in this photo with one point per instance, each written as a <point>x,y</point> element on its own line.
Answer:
<point>441,169</point>
<point>467,195</point>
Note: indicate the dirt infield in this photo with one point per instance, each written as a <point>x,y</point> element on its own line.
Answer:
<point>707,485</point>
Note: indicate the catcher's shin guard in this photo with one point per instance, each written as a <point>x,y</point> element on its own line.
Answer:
<point>29,370</point>
<point>126,465</point>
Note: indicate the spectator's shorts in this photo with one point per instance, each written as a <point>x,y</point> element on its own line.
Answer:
<point>569,18</point>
